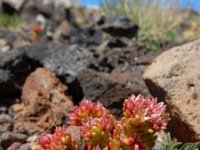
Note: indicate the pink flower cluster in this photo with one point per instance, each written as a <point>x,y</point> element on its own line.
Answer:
<point>86,110</point>
<point>135,131</point>
<point>97,131</point>
<point>96,121</point>
<point>148,110</point>
<point>142,119</point>
<point>60,140</point>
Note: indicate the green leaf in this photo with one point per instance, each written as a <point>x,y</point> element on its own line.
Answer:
<point>189,146</point>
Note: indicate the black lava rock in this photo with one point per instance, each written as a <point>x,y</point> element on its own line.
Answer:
<point>118,26</point>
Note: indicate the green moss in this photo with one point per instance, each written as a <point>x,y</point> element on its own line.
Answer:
<point>10,21</point>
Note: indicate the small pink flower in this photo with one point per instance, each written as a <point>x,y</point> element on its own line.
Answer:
<point>45,141</point>
<point>136,130</point>
<point>148,110</point>
<point>97,131</point>
<point>60,140</point>
<point>84,111</point>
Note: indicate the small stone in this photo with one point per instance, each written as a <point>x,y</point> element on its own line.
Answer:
<point>17,107</point>
<point>2,43</point>
<point>6,123</point>
<point>3,109</point>
<point>33,138</point>
<point>63,31</point>
<point>8,138</point>
<point>19,146</point>
<point>5,48</point>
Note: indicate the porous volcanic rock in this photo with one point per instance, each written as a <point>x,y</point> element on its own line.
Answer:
<point>87,37</point>
<point>15,66</point>
<point>67,60</point>
<point>6,84</point>
<point>110,59</point>
<point>118,26</point>
<point>111,89</point>
<point>64,60</point>
<point>175,77</point>
<point>12,39</point>
<point>44,103</point>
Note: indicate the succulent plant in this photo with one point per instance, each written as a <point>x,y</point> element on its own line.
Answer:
<point>142,119</point>
<point>97,132</point>
<point>135,131</point>
<point>148,111</point>
<point>60,140</point>
<point>84,111</point>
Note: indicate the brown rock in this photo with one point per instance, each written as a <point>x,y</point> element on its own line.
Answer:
<point>111,89</point>
<point>18,107</point>
<point>3,42</point>
<point>44,100</point>
<point>175,76</point>
<point>63,31</point>
<point>82,17</point>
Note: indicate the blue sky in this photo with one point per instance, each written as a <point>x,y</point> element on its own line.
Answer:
<point>195,3</point>
<point>91,2</point>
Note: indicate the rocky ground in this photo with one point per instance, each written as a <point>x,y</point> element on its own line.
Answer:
<point>76,54</point>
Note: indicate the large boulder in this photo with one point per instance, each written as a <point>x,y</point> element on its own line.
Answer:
<point>175,77</point>
<point>44,103</point>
